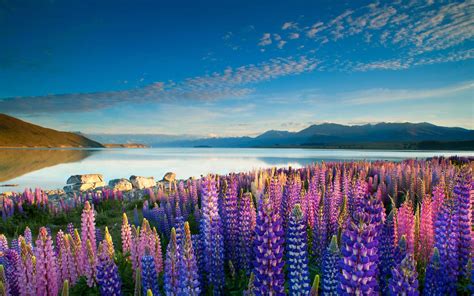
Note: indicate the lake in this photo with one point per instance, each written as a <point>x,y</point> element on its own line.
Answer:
<point>50,168</point>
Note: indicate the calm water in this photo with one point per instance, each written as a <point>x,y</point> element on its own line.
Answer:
<point>49,169</point>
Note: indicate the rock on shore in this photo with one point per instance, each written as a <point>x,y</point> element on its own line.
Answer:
<point>120,184</point>
<point>84,182</point>
<point>140,182</point>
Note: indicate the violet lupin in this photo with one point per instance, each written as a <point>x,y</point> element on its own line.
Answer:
<point>404,279</point>
<point>46,268</point>
<point>171,265</point>
<point>108,277</point>
<point>447,241</point>
<point>386,251</point>
<point>66,263</point>
<point>246,232</point>
<point>435,279</point>
<point>27,269</point>
<point>297,253</point>
<point>269,241</point>
<point>319,236</point>
<point>188,269</point>
<point>231,225</point>
<point>359,256</point>
<point>149,278</point>
<point>330,269</point>
<point>12,266</point>
<point>211,230</point>
<point>463,204</point>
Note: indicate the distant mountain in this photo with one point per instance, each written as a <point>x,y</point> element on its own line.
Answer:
<point>151,140</point>
<point>18,133</point>
<point>369,136</point>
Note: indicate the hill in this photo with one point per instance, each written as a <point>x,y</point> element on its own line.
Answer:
<point>18,133</point>
<point>417,136</point>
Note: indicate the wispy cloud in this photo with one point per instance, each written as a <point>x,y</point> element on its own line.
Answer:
<point>373,96</point>
<point>231,83</point>
<point>413,27</point>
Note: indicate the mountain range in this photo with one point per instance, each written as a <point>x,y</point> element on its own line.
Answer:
<point>327,135</point>
<point>17,133</point>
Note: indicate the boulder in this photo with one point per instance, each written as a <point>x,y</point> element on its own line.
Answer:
<point>142,182</point>
<point>83,187</point>
<point>120,184</point>
<point>83,179</point>
<point>169,177</point>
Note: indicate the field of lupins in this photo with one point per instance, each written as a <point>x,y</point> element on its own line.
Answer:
<point>349,228</point>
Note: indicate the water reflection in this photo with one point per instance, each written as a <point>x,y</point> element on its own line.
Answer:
<point>50,169</point>
<point>17,162</point>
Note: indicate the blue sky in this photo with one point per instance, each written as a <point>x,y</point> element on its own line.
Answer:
<point>231,68</point>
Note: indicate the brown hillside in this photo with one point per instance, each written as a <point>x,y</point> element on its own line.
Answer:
<point>18,133</point>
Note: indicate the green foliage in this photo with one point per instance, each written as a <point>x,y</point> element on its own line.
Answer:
<point>82,289</point>
<point>126,273</point>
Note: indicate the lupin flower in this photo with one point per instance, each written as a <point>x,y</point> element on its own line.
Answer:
<point>12,266</point>
<point>269,241</point>
<point>90,264</point>
<point>149,278</point>
<point>171,265</point>
<point>435,279</point>
<point>3,243</point>
<point>88,237</point>
<point>46,268</point>
<point>28,236</point>
<point>231,226</point>
<point>386,251</point>
<point>157,254</point>
<point>188,269</point>
<point>447,241</point>
<point>211,230</point>
<point>330,269</point>
<point>98,235</point>
<point>27,269</point>
<point>297,254</point>
<point>109,243</point>
<point>406,225</point>
<point>246,232</point>
<point>463,204</point>
<point>67,269</point>
<point>319,236</point>
<point>275,193</point>
<point>359,256</point>
<point>126,233</point>
<point>404,279</point>
<point>108,278</point>
<point>426,241</point>
<point>76,247</point>
<point>291,196</point>
<point>179,228</point>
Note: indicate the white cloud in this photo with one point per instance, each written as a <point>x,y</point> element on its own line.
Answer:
<point>411,28</point>
<point>289,26</point>
<point>294,36</point>
<point>230,83</point>
<point>281,44</point>
<point>265,40</point>
<point>374,96</point>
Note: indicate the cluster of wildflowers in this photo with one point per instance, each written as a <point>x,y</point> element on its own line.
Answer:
<point>365,227</point>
